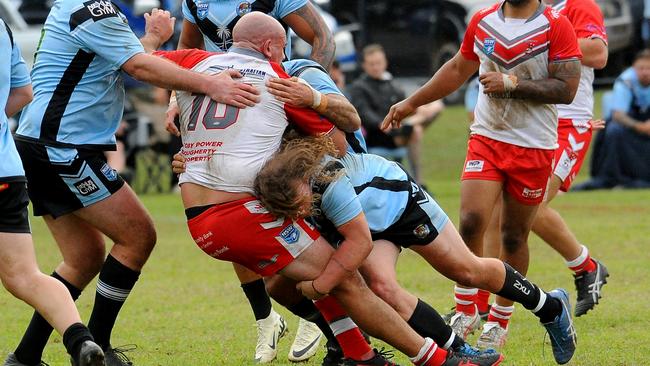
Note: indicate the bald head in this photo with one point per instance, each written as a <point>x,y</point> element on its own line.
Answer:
<point>257,27</point>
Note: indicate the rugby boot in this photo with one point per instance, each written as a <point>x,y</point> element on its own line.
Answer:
<point>306,343</point>
<point>381,358</point>
<point>13,361</point>
<point>269,332</point>
<point>90,354</point>
<point>117,357</point>
<point>493,336</point>
<point>561,331</point>
<point>482,314</point>
<point>334,355</point>
<point>463,324</point>
<point>475,359</point>
<point>589,286</point>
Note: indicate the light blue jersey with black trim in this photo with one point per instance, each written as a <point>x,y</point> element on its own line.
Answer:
<point>78,87</point>
<point>316,76</point>
<point>217,18</point>
<point>13,74</point>
<point>371,184</point>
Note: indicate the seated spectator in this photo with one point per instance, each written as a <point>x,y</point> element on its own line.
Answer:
<point>621,153</point>
<point>373,93</point>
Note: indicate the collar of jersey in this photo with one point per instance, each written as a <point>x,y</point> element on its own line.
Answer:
<point>247,52</point>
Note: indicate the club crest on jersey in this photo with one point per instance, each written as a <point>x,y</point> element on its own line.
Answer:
<point>488,45</point>
<point>290,234</point>
<point>244,8</point>
<point>202,9</point>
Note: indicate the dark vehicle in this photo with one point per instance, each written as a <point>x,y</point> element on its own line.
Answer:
<point>421,35</point>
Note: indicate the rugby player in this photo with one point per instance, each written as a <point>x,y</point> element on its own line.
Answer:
<point>399,214</point>
<point>78,103</point>
<point>218,195</point>
<point>528,60</point>
<point>575,126</point>
<point>208,25</point>
<point>18,268</point>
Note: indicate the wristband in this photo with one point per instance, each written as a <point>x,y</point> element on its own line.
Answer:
<point>322,107</point>
<point>509,82</point>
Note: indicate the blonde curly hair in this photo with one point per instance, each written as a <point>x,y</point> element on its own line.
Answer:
<point>299,160</point>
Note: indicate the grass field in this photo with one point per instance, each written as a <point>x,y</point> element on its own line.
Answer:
<point>187,308</point>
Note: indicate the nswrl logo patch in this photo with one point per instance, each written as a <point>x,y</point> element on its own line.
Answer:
<point>290,234</point>
<point>488,45</point>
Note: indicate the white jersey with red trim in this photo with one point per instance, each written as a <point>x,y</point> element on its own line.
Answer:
<point>224,146</point>
<point>588,23</point>
<point>524,48</point>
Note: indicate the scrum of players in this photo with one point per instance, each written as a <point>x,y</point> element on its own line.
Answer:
<point>273,148</point>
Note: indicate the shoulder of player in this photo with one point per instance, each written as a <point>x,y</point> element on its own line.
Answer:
<point>485,12</point>
<point>555,18</point>
<point>95,10</point>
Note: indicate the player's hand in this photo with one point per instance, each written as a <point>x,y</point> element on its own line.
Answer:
<point>178,164</point>
<point>222,88</point>
<point>172,113</point>
<point>597,124</point>
<point>307,289</point>
<point>492,82</point>
<point>159,24</point>
<point>396,114</point>
<point>291,91</point>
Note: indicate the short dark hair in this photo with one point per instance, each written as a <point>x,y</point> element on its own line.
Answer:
<point>372,48</point>
<point>643,54</point>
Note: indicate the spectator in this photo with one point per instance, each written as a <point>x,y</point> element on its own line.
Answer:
<point>372,94</point>
<point>621,153</point>
<point>337,75</point>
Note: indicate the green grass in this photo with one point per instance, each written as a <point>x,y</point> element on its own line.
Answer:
<point>187,308</point>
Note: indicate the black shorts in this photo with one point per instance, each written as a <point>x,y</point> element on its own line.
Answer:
<point>13,205</point>
<point>63,180</point>
<point>420,223</point>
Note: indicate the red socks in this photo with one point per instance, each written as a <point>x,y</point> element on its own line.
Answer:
<point>583,263</point>
<point>464,298</point>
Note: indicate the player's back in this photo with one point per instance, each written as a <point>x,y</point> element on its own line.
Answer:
<point>78,89</point>
<point>382,188</point>
<point>224,146</point>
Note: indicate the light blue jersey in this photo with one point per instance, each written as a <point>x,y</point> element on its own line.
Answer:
<point>379,188</point>
<point>13,74</point>
<point>217,18</point>
<point>629,94</point>
<point>316,76</point>
<point>78,87</point>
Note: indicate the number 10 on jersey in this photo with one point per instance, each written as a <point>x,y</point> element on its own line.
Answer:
<point>215,115</point>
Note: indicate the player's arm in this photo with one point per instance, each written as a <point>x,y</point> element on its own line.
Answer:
<point>334,107</point>
<point>594,52</point>
<point>159,27</point>
<point>311,27</point>
<point>355,248</point>
<point>18,98</point>
<point>559,88</point>
<point>446,80</point>
<point>191,36</point>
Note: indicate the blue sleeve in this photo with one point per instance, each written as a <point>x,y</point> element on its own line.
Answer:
<point>471,95</point>
<point>621,97</point>
<point>187,14</point>
<point>110,38</point>
<point>320,81</point>
<point>340,203</point>
<point>286,7</point>
<point>19,70</point>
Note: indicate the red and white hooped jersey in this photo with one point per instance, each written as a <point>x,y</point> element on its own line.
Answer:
<point>524,48</point>
<point>587,20</point>
<point>224,146</point>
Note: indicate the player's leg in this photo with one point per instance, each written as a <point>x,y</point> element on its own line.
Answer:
<point>590,274</point>
<point>123,219</point>
<point>491,249</point>
<point>20,275</point>
<point>270,325</point>
<point>365,308</point>
<point>478,198</point>
<point>379,272</point>
<point>83,251</point>
<point>49,297</point>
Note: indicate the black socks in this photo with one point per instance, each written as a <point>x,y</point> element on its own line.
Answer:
<point>427,322</point>
<point>258,298</point>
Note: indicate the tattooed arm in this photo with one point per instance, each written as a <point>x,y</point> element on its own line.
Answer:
<point>311,27</point>
<point>559,88</point>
